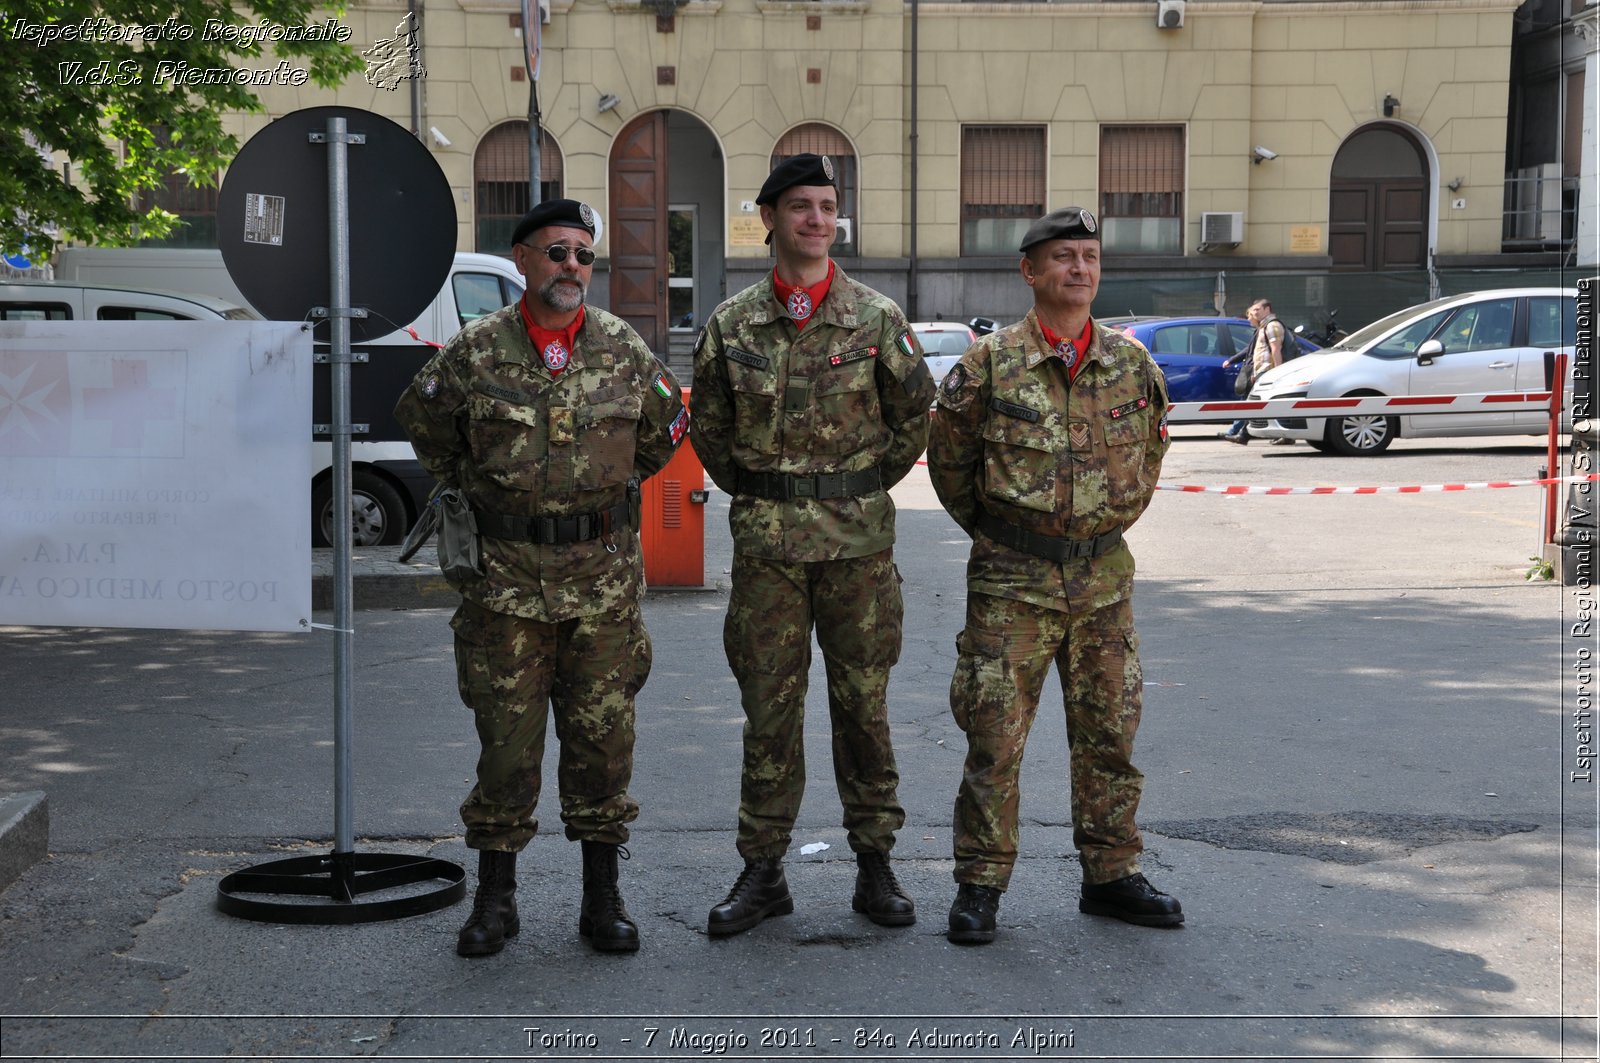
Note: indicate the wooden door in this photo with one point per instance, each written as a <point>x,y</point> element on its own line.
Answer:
<point>1378,202</point>
<point>639,228</point>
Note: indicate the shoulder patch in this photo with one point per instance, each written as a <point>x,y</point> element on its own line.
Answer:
<point>907,343</point>
<point>954,379</point>
<point>699,341</point>
<point>743,357</point>
<point>430,386</point>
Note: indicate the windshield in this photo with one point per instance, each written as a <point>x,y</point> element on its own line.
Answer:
<point>1363,336</point>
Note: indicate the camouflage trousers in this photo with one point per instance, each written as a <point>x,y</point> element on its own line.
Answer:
<point>855,606</point>
<point>513,672</point>
<point>1004,655</point>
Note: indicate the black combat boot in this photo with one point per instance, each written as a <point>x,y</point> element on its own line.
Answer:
<point>1133,900</point>
<point>760,891</point>
<point>878,894</point>
<point>603,921</point>
<point>972,915</point>
<point>494,909</point>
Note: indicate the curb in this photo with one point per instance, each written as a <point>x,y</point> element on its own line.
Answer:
<point>24,833</point>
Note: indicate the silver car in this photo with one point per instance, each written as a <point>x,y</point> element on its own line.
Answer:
<point>1462,345</point>
<point>943,344</point>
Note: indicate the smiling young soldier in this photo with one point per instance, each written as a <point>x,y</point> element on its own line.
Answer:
<point>810,401</point>
<point>545,414</point>
<point>1047,446</point>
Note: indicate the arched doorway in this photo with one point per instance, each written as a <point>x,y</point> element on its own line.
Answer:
<point>666,227</point>
<point>1378,202</point>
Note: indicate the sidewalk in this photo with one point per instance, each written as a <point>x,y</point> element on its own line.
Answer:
<point>1354,781</point>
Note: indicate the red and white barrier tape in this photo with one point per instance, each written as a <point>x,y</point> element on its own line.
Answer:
<point>1388,490</point>
<point>1361,405</point>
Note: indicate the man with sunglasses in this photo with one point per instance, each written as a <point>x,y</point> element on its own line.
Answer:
<point>1046,447</point>
<point>810,401</point>
<point>546,415</point>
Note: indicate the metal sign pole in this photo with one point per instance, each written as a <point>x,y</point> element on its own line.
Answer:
<point>395,171</point>
<point>343,587</point>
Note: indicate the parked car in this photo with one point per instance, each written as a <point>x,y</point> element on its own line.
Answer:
<point>1469,344</point>
<point>1191,350</point>
<point>943,344</point>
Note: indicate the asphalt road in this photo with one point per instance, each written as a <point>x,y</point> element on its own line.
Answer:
<point>1357,756</point>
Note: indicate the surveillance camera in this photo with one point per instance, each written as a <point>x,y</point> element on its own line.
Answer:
<point>438,138</point>
<point>1263,154</point>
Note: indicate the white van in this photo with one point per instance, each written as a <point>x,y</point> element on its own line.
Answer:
<point>388,485</point>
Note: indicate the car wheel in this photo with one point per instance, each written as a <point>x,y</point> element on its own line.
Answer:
<point>1361,436</point>
<point>377,514</point>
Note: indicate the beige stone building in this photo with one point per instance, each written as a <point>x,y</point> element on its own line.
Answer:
<point>1302,140</point>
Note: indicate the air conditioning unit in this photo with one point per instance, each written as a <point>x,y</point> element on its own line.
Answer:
<point>1169,14</point>
<point>1221,228</point>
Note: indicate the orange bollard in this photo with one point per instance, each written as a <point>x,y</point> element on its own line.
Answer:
<point>672,524</point>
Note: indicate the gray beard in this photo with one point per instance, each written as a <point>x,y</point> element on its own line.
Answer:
<point>557,296</point>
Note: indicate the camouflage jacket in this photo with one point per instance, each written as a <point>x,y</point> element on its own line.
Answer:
<point>847,393</point>
<point>1012,438</point>
<point>485,415</point>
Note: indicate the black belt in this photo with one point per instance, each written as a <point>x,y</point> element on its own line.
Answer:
<point>578,528</point>
<point>1049,547</point>
<point>783,486</point>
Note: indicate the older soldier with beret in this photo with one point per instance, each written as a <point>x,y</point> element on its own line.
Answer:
<point>546,414</point>
<point>1046,447</point>
<point>810,401</point>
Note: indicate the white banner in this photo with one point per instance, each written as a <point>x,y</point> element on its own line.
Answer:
<point>153,474</point>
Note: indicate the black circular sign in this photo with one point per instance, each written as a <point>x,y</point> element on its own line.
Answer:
<point>273,221</point>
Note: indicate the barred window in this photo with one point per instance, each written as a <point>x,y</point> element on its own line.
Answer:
<point>1141,189</point>
<point>819,139</point>
<point>195,205</point>
<point>1003,175</point>
<point>500,182</point>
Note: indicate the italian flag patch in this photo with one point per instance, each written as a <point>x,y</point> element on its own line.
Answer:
<point>662,387</point>
<point>907,344</point>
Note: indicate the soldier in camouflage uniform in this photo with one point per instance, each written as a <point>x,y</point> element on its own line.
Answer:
<point>546,414</point>
<point>810,400</point>
<point>1046,446</point>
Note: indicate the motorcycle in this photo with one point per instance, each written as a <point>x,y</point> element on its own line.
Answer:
<point>1331,332</point>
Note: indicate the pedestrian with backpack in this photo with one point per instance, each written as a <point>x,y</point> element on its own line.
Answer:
<point>1268,349</point>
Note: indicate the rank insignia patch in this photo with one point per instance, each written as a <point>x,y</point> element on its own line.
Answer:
<point>1078,435</point>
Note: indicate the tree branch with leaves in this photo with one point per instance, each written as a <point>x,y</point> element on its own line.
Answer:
<point>132,92</point>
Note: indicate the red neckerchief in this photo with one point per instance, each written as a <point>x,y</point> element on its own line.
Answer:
<point>554,347</point>
<point>1080,345</point>
<point>801,303</point>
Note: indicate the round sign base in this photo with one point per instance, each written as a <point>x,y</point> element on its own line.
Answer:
<point>328,889</point>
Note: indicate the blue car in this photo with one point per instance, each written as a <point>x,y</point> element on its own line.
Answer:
<point>1191,350</point>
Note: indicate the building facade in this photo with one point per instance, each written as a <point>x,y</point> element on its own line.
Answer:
<point>1245,138</point>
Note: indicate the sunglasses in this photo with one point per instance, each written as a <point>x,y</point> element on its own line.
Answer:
<point>559,252</point>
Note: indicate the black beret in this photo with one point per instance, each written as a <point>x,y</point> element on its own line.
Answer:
<point>1068,223</point>
<point>555,212</point>
<point>805,169</point>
